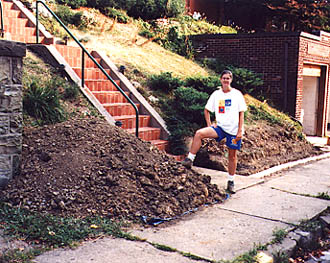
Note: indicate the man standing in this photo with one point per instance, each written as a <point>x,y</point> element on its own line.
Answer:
<point>229,107</point>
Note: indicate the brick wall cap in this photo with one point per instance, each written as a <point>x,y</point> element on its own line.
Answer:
<point>251,35</point>
<point>12,49</point>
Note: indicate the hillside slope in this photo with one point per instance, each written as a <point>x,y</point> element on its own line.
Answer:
<point>85,167</point>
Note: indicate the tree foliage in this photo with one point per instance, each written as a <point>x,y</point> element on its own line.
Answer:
<point>145,9</point>
<point>276,15</point>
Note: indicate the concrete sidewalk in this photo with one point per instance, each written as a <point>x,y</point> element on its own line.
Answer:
<point>262,204</point>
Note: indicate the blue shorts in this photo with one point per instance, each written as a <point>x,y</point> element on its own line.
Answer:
<point>230,139</point>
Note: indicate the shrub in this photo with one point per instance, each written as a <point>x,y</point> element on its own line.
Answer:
<point>164,82</point>
<point>177,43</point>
<point>244,79</point>
<point>203,84</point>
<point>70,90</point>
<point>43,102</point>
<point>65,14</point>
<point>247,81</point>
<point>177,128</point>
<point>153,9</point>
<point>174,8</point>
<point>118,4</point>
<point>190,104</point>
<point>73,3</point>
<point>183,114</point>
<point>114,13</point>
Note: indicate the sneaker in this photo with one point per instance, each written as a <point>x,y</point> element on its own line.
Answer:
<point>230,187</point>
<point>187,162</point>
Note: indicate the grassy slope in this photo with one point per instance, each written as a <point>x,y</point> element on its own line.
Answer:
<point>141,57</point>
<point>124,46</point>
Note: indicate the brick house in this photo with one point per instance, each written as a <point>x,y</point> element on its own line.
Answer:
<point>209,8</point>
<point>294,66</point>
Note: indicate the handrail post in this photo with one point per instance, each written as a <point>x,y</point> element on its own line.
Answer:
<point>84,50</point>
<point>37,24</point>
<point>83,68</point>
<point>2,29</point>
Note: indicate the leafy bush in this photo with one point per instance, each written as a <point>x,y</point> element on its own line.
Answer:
<point>177,43</point>
<point>153,9</point>
<point>53,27</point>
<point>73,3</point>
<point>145,9</point>
<point>203,84</point>
<point>65,14</point>
<point>247,81</point>
<point>170,8</point>
<point>114,13</point>
<point>68,91</point>
<point>164,82</point>
<point>201,26</point>
<point>43,102</point>
<point>190,103</point>
<point>244,79</point>
<point>183,115</point>
<point>118,4</point>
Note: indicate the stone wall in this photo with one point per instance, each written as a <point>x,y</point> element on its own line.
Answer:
<point>11,118</point>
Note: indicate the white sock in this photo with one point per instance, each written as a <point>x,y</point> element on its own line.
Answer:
<point>191,156</point>
<point>231,177</point>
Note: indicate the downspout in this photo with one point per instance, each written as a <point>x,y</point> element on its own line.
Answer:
<point>286,66</point>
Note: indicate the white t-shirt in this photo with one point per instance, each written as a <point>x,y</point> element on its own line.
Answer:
<point>227,107</point>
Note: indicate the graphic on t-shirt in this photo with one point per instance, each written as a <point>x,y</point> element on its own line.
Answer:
<point>222,104</point>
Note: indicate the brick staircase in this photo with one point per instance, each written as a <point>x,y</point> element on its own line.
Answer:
<point>18,27</point>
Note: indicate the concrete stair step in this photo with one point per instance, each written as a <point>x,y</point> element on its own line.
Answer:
<point>161,144</point>
<point>101,85</point>
<point>7,5</point>
<point>10,12</point>
<point>14,21</point>
<point>179,158</point>
<point>21,31</point>
<point>147,133</point>
<point>110,96</point>
<point>118,109</point>
<point>68,51</point>
<point>129,121</point>
<point>26,39</point>
<point>92,73</point>
<point>76,62</point>
<point>71,51</point>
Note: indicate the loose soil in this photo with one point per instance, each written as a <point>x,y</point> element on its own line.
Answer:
<point>263,147</point>
<point>85,167</point>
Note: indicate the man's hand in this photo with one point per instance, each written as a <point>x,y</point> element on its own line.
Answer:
<point>239,135</point>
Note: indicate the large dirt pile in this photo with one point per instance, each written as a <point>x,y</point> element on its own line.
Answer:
<point>86,167</point>
<point>264,146</point>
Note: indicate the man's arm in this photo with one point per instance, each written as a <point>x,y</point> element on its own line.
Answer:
<point>240,125</point>
<point>207,118</point>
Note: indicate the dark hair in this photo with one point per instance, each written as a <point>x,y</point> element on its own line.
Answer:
<point>226,71</point>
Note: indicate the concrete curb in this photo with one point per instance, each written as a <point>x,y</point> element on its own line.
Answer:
<point>285,166</point>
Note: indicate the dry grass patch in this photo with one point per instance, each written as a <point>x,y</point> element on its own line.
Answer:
<point>149,58</point>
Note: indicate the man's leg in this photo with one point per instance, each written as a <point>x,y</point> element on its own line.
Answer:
<point>200,134</point>
<point>232,164</point>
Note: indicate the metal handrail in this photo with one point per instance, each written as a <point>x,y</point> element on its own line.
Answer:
<point>2,32</point>
<point>83,61</point>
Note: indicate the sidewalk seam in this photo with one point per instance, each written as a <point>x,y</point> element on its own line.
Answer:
<point>256,216</point>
